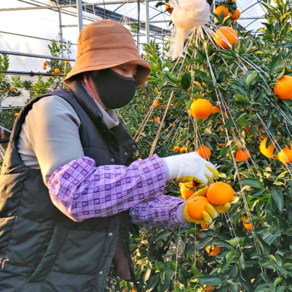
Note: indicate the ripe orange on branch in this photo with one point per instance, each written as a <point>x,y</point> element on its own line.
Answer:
<point>225,37</point>
<point>235,15</point>
<point>57,70</point>
<point>201,108</point>
<point>156,104</point>
<point>208,288</point>
<point>45,63</point>
<point>221,9</point>
<point>204,152</point>
<point>183,150</point>
<point>220,193</point>
<point>176,148</point>
<point>247,226</point>
<point>283,89</point>
<point>156,119</point>
<point>242,155</point>
<point>196,206</point>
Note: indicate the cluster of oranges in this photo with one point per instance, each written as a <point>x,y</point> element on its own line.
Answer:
<point>226,36</point>
<point>218,194</point>
<point>179,150</point>
<point>57,70</point>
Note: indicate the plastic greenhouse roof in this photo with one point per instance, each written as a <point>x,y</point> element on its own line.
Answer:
<point>252,13</point>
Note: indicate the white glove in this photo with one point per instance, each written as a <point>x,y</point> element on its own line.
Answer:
<point>191,167</point>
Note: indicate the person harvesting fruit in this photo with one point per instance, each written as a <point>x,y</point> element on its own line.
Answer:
<point>69,187</point>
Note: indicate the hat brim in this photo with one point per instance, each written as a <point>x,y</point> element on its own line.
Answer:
<point>104,59</point>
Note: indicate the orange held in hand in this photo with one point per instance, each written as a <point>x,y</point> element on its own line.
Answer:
<point>187,189</point>
<point>220,193</point>
<point>225,37</point>
<point>212,251</point>
<point>242,155</point>
<point>283,89</point>
<point>201,108</point>
<point>204,152</point>
<point>196,206</point>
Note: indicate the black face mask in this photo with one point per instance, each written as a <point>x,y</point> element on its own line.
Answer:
<point>114,90</point>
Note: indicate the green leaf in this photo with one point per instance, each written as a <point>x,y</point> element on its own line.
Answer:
<point>152,282</point>
<point>224,244</point>
<point>278,198</point>
<point>229,123</point>
<point>162,235</point>
<point>250,78</point>
<point>278,281</point>
<point>252,182</point>
<point>186,81</point>
<point>210,280</point>
<point>275,63</point>
<point>240,98</point>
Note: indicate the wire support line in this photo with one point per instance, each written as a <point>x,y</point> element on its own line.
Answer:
<point>31,73</point>
<point>35,56</point>
<point>33,37</point>
<point>2,127</point>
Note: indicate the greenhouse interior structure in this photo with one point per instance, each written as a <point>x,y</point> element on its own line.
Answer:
<point>146,145</point>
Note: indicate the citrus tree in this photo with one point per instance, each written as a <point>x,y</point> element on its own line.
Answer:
<point>231,105</point>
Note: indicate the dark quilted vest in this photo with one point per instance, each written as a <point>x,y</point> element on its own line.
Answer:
<point>42,250</point>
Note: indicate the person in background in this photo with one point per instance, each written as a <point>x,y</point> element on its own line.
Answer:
<point>69,188</point>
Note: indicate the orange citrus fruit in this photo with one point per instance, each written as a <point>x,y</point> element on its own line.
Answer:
<point>222,145</point>
<point>283,89</point>
<point>156,104</point>
<point>285,155</point>
<point>201,108</point>
<point>220,193</point>
<point>168,8</point>
<point>212,251</point>
<point>197,83</point>
<point>187,189</point>
<point>183,149</point>
<point>267,151</point>
<point>45,68</point>
<point>11,89</point>
<point>67,62</point>
<point>215,109</point>
<point>247,226</point>
<point>208,288</point>
<point>225,37</point>
<point>204,152</point>
<point>196,206</point>
<point>45,63</point>
<point>57,70</point>
<point>176,148</point>
<point>156,119</point>
<point>235,15</point>
<point>221,9</point>
<point>242,155</point>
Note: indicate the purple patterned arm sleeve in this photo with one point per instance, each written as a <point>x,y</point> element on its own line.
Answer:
<point>162,212</point>
<point>81,190</point>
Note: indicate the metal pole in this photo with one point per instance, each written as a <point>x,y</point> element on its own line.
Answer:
<point>147,22</point>
<point>61,32</point>
<point>70,6</point>
<point>35,56</point>
<point>79,15</point>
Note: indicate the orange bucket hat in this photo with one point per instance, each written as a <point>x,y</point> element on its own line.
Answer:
<point>105,44</point>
